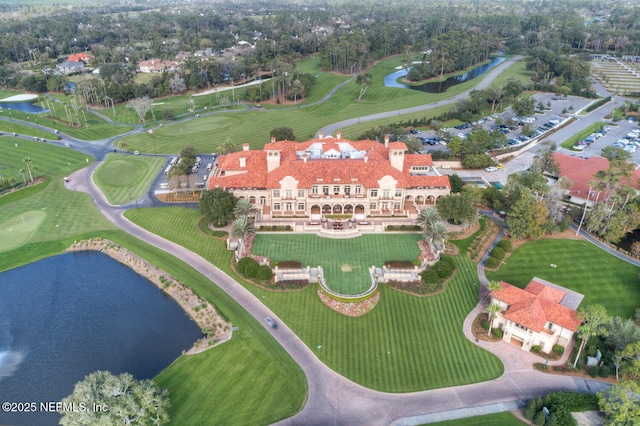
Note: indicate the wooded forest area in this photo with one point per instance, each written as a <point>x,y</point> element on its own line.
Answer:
<point>245,39</point>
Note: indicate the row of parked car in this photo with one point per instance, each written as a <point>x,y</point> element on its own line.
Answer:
<point>630,143</point>
<point>586,142</point>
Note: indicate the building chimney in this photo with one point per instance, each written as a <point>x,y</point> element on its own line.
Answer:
<point>243,162</point>
<point>338,135</point>
<point>366,157</point>
<point>305,157</point>
<point>245,147</point>
<point>320,135</point>
<point>273,139</point>
<point>386,141</point>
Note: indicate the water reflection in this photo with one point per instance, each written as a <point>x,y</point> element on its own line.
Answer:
<point>390,80</point>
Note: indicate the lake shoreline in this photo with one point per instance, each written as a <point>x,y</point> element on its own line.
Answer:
<point>217,330</point>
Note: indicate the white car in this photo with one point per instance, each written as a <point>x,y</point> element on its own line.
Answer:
<point>491,169</point>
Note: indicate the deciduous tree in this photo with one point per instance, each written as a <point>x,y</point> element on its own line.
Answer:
<point>104,399</point>
<point>217,206</point>
<point>141,106</point>
<point>620,403</point>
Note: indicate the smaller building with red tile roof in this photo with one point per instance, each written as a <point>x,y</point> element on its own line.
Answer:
<point>80,57</point>
<point>331,175</point>
<point>581,170</point>
<point>542,314</point>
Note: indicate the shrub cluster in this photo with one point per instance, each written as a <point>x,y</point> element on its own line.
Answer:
<point>492,262</point>
<point>505,245</point>
<point>445,266</point>
<point>560,406</point>
<point>559,349</point>
<point>497,253</point>
<point>497,332</point>
<point>247,267</point>
<point>289,264</point>
<point>264,273</point>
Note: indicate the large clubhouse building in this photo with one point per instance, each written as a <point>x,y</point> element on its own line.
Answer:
<point>331,176</point>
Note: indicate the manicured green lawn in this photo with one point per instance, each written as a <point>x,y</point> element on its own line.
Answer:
<point>582,267</point>
<point>8,127</point>
<point>517,71</point>
<point>57,212</point>
<point>345,262</point>
<point>210,131</point>
<point>125,178</point>
<point>405,344</point>
<point>250,380</point>
<point>497,419</point>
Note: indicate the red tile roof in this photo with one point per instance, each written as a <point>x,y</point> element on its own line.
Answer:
<point>322,171</point>
<point>535,306</point>
<point>80,57</point>
<point>581,171</point>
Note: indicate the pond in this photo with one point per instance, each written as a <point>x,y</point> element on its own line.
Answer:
<point>390,80</point>
<point>67,316</point>
<point>28,107</point>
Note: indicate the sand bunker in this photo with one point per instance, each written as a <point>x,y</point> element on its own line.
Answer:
<point>19,98</point>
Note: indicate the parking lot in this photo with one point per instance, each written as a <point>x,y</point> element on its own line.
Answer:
<point>198,176</point>
<point>557,108</point>
<point>618,132</point>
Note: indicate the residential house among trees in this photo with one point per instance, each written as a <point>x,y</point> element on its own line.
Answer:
<point>542,314</point>
<point>331,176</point>
<point>71,67</point>
<point>156,65</point>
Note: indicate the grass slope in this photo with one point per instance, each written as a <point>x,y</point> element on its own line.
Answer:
<point>405,344</point>
<point>67,212</point>
<point>582,267</point>
<point>125,178</point>
<point>345,262</point>
<point>210,131</point>
<point>497,419</point>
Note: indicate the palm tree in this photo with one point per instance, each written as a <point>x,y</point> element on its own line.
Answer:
<point>494,285</point>
<point>594,323</point>
<point>427,217</point>
<point>245,208</point>
<point>436,231</point>
<point>492,309</point>
<point>27,161</point>
<point>24,179</point>
<point>242,229</point>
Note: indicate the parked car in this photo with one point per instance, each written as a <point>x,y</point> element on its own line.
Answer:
<point>490,169</point>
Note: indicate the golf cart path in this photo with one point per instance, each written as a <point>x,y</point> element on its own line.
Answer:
<point>332,398</point>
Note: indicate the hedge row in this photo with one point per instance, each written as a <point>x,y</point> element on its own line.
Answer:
<point>249,268</point>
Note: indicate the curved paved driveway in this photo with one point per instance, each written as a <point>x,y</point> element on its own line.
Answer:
<point>333,399</point>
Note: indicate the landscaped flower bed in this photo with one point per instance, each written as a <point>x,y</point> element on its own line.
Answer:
<point>354,309</point>
<point>426,252</point>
